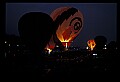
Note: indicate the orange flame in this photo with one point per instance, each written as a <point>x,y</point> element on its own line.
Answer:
<point>91,44</point>
<point>49,50</point>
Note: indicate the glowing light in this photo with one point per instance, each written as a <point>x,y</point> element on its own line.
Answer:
<point>49,50</point>
<point>5,54</point>
<point>105,48</point>
<point>66,45</point>
<point>62,39</point>
<point>17,45</point>
<point>87,47</point>
<point>91,44</point>
<point>9,45</point>
<point>5,42</point>
<point>95,54</point>
<point>57,46</point>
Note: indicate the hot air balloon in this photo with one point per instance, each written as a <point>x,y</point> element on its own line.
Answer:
<point>35,29</point>
<point>91,43</point>
<point>68,22</point>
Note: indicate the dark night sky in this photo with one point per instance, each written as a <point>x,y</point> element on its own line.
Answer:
<point>99,18</point>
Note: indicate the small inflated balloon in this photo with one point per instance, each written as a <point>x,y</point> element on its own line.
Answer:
<point>68,22</point>
<point>91,44</point>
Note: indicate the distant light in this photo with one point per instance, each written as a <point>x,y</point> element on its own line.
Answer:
<point>95,54</point>
<point>5,42</point>
<point>57,46</point>
<point>116,48</point>
<point>9,45</point>
<point>5,54</point>
<point>105,48</point>
<point>105,45</point>
<point>87,47</point>
<point>49,50</point>
<point>17,45</point>
<point>66,45</point>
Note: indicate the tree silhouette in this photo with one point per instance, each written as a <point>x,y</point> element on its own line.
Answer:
<point>112,45</point>
<point>100,42</point>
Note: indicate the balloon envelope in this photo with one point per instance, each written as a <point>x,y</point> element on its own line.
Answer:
<point>68,22</point>
<point>36,29</point>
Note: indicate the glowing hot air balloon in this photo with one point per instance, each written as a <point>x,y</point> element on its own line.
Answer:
<point>68,22</point>
<point>91,44</point>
